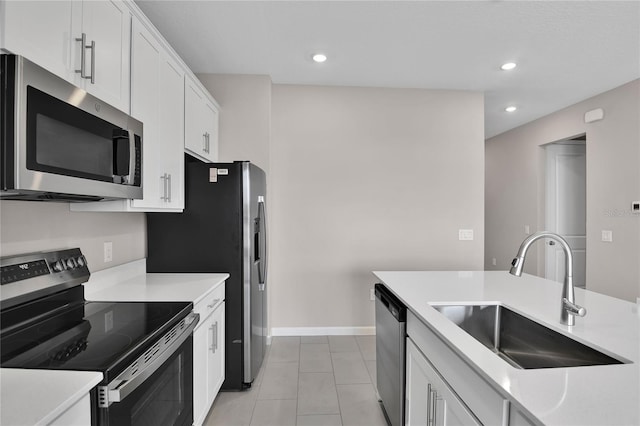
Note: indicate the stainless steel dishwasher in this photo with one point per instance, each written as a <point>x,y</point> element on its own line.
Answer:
<point>391,326</point>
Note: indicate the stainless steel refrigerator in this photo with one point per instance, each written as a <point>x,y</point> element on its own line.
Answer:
<point>222,229</point>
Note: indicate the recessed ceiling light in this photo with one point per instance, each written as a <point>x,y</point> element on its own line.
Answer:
<point>508,66</point>
<point>510,108</point>
<point>319,57</point>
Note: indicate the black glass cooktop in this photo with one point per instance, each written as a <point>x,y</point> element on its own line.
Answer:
<point>89,336</point>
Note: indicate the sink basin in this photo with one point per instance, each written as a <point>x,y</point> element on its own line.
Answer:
<point>520,341</point>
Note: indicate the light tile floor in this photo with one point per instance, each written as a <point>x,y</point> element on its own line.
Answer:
<point>308,381</point>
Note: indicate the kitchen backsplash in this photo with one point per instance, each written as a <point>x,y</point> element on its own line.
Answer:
<point>33,226</point>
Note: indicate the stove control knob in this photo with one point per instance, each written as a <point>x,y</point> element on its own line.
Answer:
<point>71,263</point>
<point>81,261</point>
<point>59,266</point>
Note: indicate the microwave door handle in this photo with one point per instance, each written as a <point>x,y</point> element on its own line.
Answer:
<point>132,158</point>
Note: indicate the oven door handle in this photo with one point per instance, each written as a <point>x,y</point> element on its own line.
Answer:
<point>127,381</point>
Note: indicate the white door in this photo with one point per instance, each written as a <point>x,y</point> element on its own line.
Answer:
<point>566,209</point>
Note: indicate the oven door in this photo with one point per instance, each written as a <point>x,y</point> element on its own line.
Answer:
<point>164,398</point>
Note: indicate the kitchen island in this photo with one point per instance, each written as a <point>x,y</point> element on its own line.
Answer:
<point>587,395</point>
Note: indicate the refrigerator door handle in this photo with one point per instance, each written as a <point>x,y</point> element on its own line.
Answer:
<point>262,245</point>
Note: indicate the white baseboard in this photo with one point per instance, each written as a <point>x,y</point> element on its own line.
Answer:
<point>322,331</point>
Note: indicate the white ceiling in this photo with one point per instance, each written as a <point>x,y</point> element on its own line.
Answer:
<point>566,51</point>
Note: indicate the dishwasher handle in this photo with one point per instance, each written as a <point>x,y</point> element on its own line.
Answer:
<point>391,302</point>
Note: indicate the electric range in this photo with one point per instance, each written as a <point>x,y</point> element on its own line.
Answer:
<point>143,349</point>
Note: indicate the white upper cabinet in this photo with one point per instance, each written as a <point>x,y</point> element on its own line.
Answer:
<point>41,31</point>
<point>201,123</point>
<point>106,28</point>
<point>51,34</point>
<point>157,100</point>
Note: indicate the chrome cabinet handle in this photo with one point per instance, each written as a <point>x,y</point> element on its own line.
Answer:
<point>83,44</point>
<point>83,47</point>
<point>168,188</point>
<point>163,196</point>
<point>215,302</point>
<point>207,142</point>
<point>429,410</point>
<point>93,62</point>
<point>215,336</point>
<point>213,339</point>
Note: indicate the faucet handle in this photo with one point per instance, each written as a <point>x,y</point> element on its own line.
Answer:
<point>572,308</point>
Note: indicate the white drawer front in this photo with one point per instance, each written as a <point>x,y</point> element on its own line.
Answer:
<point>210,302</point>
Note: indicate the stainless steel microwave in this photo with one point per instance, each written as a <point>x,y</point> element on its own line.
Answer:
<point>59,143</point>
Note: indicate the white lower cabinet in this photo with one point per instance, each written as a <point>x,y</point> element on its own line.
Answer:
<point>79,414</point>
<point>430,401</point>
<point>208,353</point>
<point>439,378</point>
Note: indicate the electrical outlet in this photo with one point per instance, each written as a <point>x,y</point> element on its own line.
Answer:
<point>607,236</point>
<point>494,262</point>
<point>527,230</point>
<point>372,295</point>
<point>635,206</point>
<point>108,251</point>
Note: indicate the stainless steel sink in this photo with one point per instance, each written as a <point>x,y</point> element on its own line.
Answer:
<point>520,341</point>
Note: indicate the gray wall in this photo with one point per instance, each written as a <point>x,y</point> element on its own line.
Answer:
<point>514,188</point>
<point>27,226</point>
<point>360,179</point>
<point>369,179</point>
<point>245,116</point>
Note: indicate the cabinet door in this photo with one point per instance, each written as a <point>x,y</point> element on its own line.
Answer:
<point>216,371</point>
<point>42,32</point>
<point>157,100</point>
<point>79,414</point>
<point>145,98</point>
<point>171,131</point>
<point>200,363</point>
<point>195,138</point>
<point>211,130</point>
<point>201,123</point>
<point>429,398</point>
<point>107,23</point>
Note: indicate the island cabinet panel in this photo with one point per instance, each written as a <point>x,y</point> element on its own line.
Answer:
<point>430,401</point>
<point>483,402</point>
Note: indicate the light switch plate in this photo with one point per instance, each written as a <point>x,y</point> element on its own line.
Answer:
<point>465,234</point>
<point>607,236</point>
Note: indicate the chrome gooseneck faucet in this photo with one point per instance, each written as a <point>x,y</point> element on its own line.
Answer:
<point>568,308</point>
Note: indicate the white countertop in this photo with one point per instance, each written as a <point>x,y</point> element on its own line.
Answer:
<point>593,395</point>
<point>37,397</point>
<point>130,283</point>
